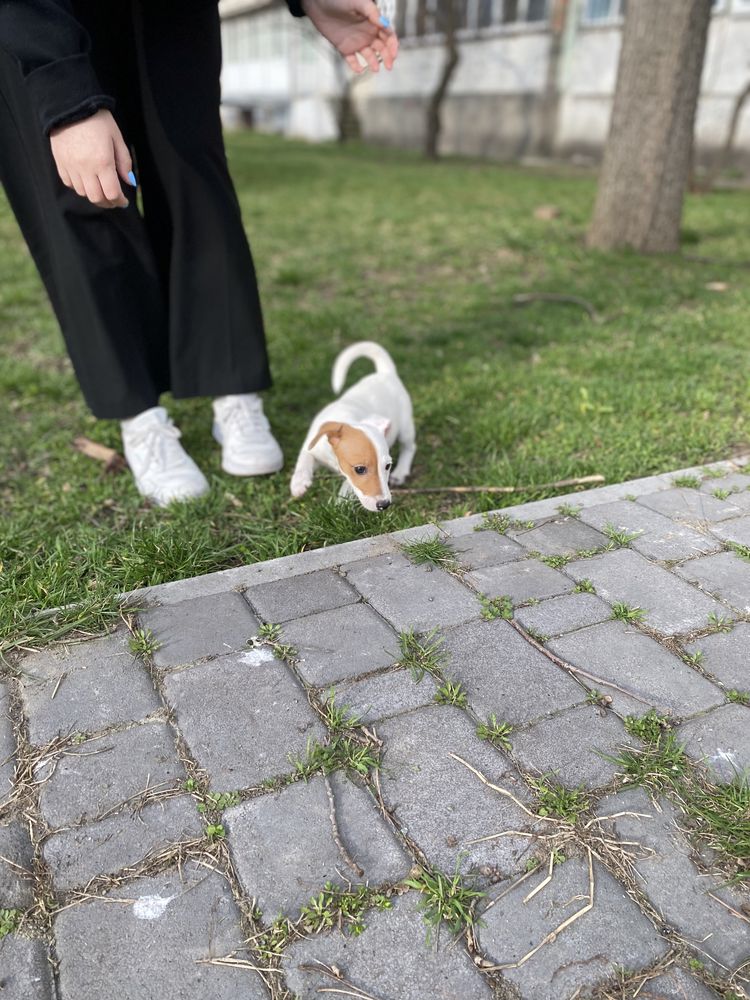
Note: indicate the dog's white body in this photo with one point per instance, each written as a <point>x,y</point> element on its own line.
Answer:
<point>356,431</point>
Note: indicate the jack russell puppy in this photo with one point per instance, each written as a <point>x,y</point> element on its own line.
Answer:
<point>353,434</point>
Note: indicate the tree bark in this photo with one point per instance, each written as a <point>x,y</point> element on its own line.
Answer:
<point>447,14</point>
<point>647,157</point>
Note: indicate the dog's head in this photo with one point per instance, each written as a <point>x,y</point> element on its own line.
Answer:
<point>363,456</point>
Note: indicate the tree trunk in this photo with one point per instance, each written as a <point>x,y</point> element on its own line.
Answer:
<point>648,153</point>
<point>550,109</point>
<point>446,14</point>
<point>723,158</point>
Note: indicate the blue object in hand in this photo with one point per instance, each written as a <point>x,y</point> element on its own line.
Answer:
<point>132,180</point>
<point>385,21</point>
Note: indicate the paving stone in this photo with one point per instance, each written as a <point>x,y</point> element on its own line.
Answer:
<point>726,656</point>
<point>736,481</point>
<point>298,596</point>
<point>565,746</point>
<point>25,971</point>
<point>15,852</point>
<point>7,744</point>
<point>95,777</point>
<point>690,505</point>
<point>383,695</point>
<point>521,581</point>
<point>721,739</point>
<point>486,548</point>
<point>100,683</point>
<point>204,626</point>
<point>76,855</point>
<point>671,605</point>
<point>614,932</point>
<point>563,614</point>
<point>563,536</point>
<point>284,849</point>
<point>619,653</point>
<point>342,643</point>
<point>676,985</point>
<point>412,597</point>
<point>737,530</point>
<point>152,946</point>
<point>673,884</point>
<point>388,959</point>
<point>241,721</point>
<point>504,675</point>
<point>441,804</point>
<point>726,575</point>
<point>658,537</point>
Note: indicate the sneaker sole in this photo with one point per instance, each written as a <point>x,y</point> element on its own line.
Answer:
<point>252,470</point>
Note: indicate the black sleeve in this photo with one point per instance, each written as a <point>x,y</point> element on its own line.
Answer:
<point>295,8</point>
<point>52,51</point>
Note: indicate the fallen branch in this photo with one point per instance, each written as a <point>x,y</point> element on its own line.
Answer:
<point>333,972</point>
<point>113,460</point>
<point>335,828</point>
<point>559,484</point>
<point>497,788</point>
<point>524,298</point>
<point>570,668</point>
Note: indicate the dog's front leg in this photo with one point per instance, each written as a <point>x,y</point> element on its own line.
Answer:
<point>303,473</point>
<point>403,466</point>
<point>345,490</point>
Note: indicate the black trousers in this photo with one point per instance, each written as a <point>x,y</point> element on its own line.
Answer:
<point>166,300</point>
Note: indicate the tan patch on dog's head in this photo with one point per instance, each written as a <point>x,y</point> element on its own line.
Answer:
<point>353,450</point>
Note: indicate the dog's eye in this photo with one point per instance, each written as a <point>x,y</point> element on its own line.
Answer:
<point>360,469</point>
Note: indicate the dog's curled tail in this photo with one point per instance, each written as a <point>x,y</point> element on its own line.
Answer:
<point>362,349</point>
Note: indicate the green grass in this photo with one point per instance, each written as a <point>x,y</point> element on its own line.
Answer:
<point>356,243</point>
<point>422,654</point>
<point>445,898</point>
<point>624,613</point>
<point>496,607</point>
<point>341,752</point>
<point>452,693</point>
<point>435,551</point>
<point>495,732</point>
<point>584,586</point>
<point>557,800</point>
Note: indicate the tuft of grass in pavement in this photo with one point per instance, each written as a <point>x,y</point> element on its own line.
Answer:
<point>738,697</point>
<point>557,800</point>
<point>658,766</point>
<point>496,607</point>
<point>649,727</point>
<point>143,642</point>
<point>624,613</point>
<point>445,898</point>
<point>435,551</point>
<point>452,244</point>
<point>618,537</point>
<point>687,482</point>
<point>9,920</point>
<point>495,732</point>
<point>452,693</point>
<point>584,586</point>
<point>345,908</point>
<point>341,752</point>
<point>720,623</point>
<point>422,654</point>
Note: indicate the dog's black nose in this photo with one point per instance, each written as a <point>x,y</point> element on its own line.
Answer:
<point>383,504</point>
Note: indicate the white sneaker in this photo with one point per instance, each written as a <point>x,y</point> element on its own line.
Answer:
<point>241,428</point>
<point>162,469</point>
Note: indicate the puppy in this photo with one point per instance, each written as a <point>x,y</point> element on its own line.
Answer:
<point>353,435</point>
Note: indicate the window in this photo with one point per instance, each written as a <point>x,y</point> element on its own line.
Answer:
<point>603,10</point>
<point>536,10</point>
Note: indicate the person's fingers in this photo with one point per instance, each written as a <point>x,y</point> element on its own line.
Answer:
<point>110,183</point>
<point>65,177</point>
<point>76,182</point>
<point>370,12</point>
<point>370,57</point>
<point>354,64</point>
<point>93,190</point>
<point>123,161</point>
<point>381,49</point>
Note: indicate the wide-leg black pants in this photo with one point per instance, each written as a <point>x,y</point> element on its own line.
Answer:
<point>166,300</point>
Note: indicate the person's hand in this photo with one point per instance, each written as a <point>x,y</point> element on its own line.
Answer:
<point>354,27</point>
<point>91,157</point>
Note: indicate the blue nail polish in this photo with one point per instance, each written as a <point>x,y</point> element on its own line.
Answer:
<point>132,180</point>
<point>385,21</point>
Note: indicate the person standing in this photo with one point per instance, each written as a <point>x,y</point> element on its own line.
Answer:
<point>97,99</point>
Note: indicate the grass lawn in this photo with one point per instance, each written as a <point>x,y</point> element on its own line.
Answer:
<point>356,243</point>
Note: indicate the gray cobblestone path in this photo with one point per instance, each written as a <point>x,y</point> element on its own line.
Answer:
<point>329,762</point>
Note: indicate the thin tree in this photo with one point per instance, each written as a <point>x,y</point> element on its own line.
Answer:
<point>725,154</point>
<point>647,157</point>
<point>447,21</point>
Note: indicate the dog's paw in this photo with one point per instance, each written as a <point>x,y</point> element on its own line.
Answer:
<point>300,485</point>
<point>395,480</point>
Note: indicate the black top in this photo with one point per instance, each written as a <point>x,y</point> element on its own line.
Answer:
<point>52,50</point>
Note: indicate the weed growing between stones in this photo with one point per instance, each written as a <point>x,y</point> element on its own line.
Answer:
<point>620,539</point>
<point>341,752</point>
<point>269,635</point>
<point>495,732</point>
<point>559,802</point>
<point>422,654</point>
<point>738,697</point>
<point>624,613</point>
<point>451,693</point>
<point>686,482</point>
<point>569,510</point>
<point>584,586</point>
<point>434,551</point>
<point>445,898</point>
<point>143,642</point>
<point>496,607</point>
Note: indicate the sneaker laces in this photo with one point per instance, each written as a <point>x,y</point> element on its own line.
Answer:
<point>157,444</point>
<point>243,415</point>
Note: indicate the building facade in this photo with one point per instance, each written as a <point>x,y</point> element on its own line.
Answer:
<point>523,87</point>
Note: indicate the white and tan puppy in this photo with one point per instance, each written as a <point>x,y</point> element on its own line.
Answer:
<point>353,434</point>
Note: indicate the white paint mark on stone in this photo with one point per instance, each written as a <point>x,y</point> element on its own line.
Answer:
<point>725,756</point>
<point>151,907</point>
<point>257,656</point>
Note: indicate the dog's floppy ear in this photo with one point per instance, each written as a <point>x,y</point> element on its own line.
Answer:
<point>330,429</point>
<point>381,424</point>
